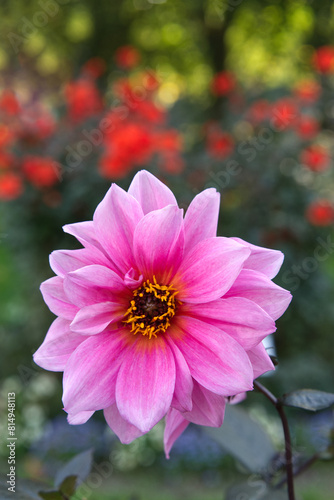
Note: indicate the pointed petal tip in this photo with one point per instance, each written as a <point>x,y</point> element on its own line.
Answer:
<point>79,418</point>
<point>212,192</point>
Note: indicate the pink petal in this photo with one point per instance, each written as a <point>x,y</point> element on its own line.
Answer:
<point>208,408</point>
<point>264,260</point>
<point>238,398</point>
<point>260,360</point>
<point>93,284</point>
<point>95,318</point>
<point>145,383</point>
<point>132,279</point>
<point>158,243</point>
<point>115,220</point>
<point>240,318</point>
<point>91,372</point>
<point>216,360</point>
<point>56,299</point>
<point>175,425</point>
<point>182,399</point>
<point>255,286</point>
<point>83,232</point>
<point>151,193</point>
<point>79,418</point>
<point>58,346</point>
<point>65,261</point>
<point>125,431</point>
<point>201,218</point>
<point>210,269</point>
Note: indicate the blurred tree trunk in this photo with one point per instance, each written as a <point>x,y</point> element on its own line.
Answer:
<point>215,25</point>
<point>215,31</point>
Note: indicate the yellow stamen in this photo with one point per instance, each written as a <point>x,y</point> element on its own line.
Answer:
<point>151,308</point>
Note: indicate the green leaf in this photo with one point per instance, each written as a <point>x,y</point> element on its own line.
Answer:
<point>51,495</point>
<point>308,399</point>
<point>80,466</point>
<point>69,485</point>
<point>244,438</point>
<point>254,489</point>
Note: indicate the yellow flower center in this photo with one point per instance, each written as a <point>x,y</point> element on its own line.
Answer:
<point>151,308</point>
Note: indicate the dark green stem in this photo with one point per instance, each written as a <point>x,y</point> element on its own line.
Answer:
<point>287,437</point>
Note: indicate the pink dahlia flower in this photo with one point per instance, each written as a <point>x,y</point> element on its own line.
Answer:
<point>157,316</point>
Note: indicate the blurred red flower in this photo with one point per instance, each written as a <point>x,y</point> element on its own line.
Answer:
<point>127,145</point>
<point>323,59</point>
<point>136,132</point>
<point>307,127</point>
<point>316,158</point>
<point>10,186</point>
<point>168,141</point>
<point>83,99</point>
<point>36,124</point>
<point>7,136</point>
<point>150,80</point>
<point>127,57</point>
<point>219,144</point>
<point>6,160</point>
<point>307,90</point>
<point>41,172</point>
<point>223,83</point>
<point>168,144</point>
<point>284,113</point>
<point>9,103</point>
<point>171,163</point>
<point>150,112</point>
<point>320,213</point>
<point>259,111</point>
<point>94,67</point>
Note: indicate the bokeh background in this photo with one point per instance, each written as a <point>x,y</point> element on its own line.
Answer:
<point>236,95</point>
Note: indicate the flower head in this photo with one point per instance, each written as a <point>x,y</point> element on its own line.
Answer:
<point>307,91</point>
<point>157,316</point>
<point>307,127</point>
<point>42,172</point>
<point>127,57</point>
<point>83,99</point>
<point>316,158</point>
<point>10,186</point>
<point>223,83</point>
<point>323,59</point>
<point>219,144</point>
<point>320,213</point>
